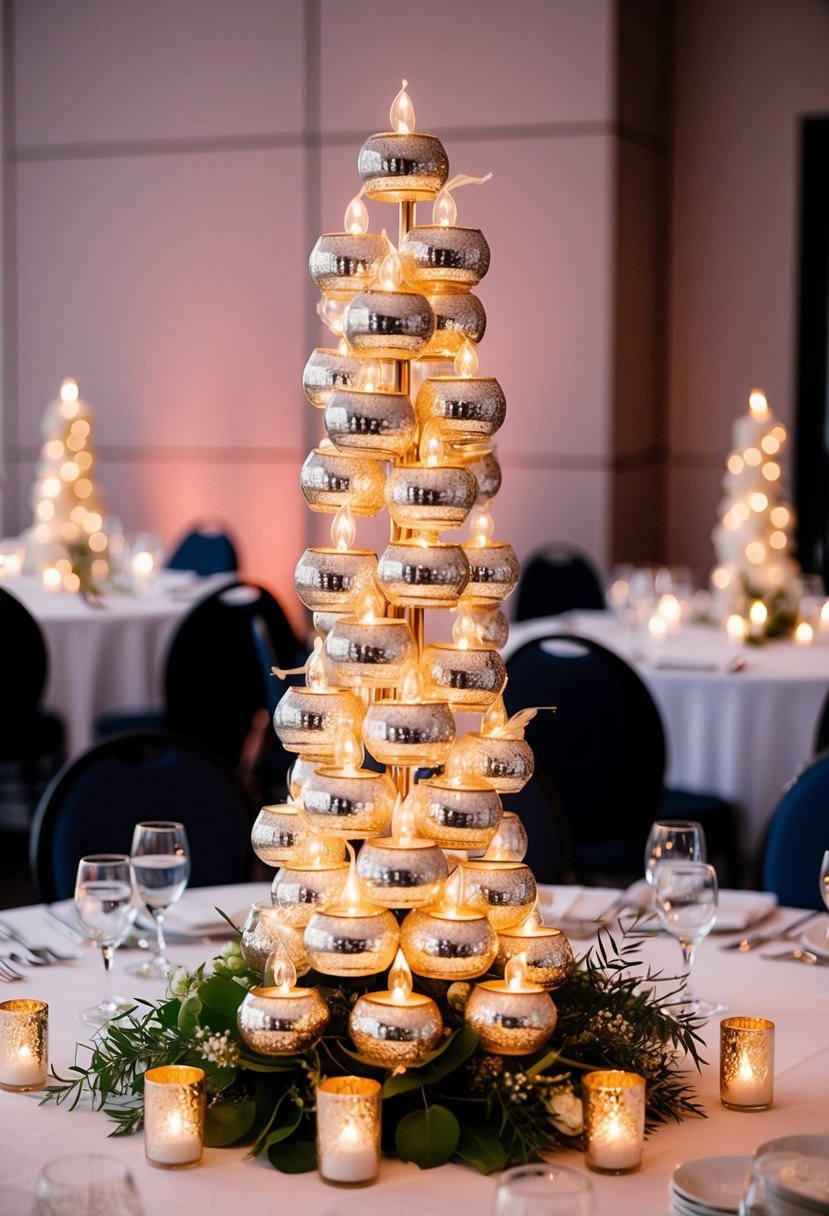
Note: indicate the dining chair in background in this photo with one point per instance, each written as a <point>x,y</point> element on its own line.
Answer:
<point>558,578</point>
<point>206,550</point>
<point>542,814</point>
<point>94,802</point>
<point>821,742</point>
<point>603,752</point>
<point>797,837</point>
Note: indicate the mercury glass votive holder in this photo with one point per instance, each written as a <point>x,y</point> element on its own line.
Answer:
<point>493,573</point>
<point>458,315</point>
<point>328,479</point>
<point>430,498</point>
<point>510,1021</point>
<point>430,575</point>
<point>279,835</point>
<point>444,257</point>
<point>401,873</point>
<point>308,721</point>
<point>549,955</point>
<point>389,324</point>
<point>491,626</point>
<point>174,1106</point>
<point>370,654</point>
<point>282,1021</point>
<point>351,943</point>
<point>456,945</point>
<point>468,409</point>
<point>395,1033</point>
<point>299,889</point>
<point>328,370</point>
<point>483,464</point>
<point>380,424</point>
<point>342,263</point>
<point>348,1130</point>
<point>468,677</point>
<point>456,814</point>
<point>24,1044</point>
<point>399,167</point>
<point>266,930</point>
<point>746,1063</point>
<point>511,836</point>
<point>505,891</point>
<point>505,764</point>
<point>349,803</point>
<point>614,1120</point>
<point>416,734</point>
<point>339,580</point>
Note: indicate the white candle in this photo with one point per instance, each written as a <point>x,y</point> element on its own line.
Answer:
<point>52,579</point>
<point>746,1063</point>
<point>24,1044</point>
<point>657,628</point>
<point>348,1130</point>
<point>804,634</point>
<point>735,627</point>
<point>351,1159</point>
<point>614,1119</point>
<point>176,1143</point>
<point>824,617</point>
<point>614,1147</point>
<point>174,1105</point>
<point>22,1069</point>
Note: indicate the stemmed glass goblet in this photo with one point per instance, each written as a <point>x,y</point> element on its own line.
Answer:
<point>105,907</point>
<point>686,898</point>
<point>161,865</point>
<point>673,840</point>
<point>86,1184</point>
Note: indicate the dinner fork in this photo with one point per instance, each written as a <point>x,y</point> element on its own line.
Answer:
<point>7,972</point>
<point>46,954</point>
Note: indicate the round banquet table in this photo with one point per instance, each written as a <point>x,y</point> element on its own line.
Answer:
<point>742,734</point>
<point>794,996</point>
<point>109,656</point>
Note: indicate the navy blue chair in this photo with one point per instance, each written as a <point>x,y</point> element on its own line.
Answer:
<point>797,837</point>
<point>206,550</point>
<point>94,802</point>
<point>556,579</point>
<point>539,808</point>
<point>822,729</point>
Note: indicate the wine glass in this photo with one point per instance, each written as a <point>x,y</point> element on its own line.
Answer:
<point>685,897</point>
<point>161,865</point>
<point>673,840</point>
<point>86,1184</point>
<point>105,906</point>
<point>544,1190</point>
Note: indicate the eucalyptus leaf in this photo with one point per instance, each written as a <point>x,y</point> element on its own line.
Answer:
<point>277,1134</point>
<point>479,1146</point>
<point>227,1121</point>
<point>293,1156</point>
<point>220,998</point>
<point>427,1137</point>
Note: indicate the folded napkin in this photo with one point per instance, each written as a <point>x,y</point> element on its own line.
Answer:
<point>737,910</point>
<point>575,903</point>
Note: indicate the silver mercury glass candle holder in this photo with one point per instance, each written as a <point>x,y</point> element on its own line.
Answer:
<point>352,802</point>
<point>456,814</point>
<point>548,953</point>
<point>342,263</point>
<point>412,734</point>
<point>468,408</point>
<point>504,763</point>
<point>308,721</point>
<point>483,464</point>
<point>493,573</point>
<point>468,677</point>
<point>282,1020</point>
<point>377,424</point>
<point>345,942</point>
<point>458,315</point>
<point>511,1021</point>
<point>298,889</point>
<point>370,653</point>
<point>448,945</point>
<point>430,498</point>
<point>444,258</point>
<point>279,835</point>
<point>266,930</point>
<point>400,167</point>
<point>329,370</point>
<point>504,891</point>
<point>339,580</point>
<point>405,873</point>
<point>389,324</point>
<point>423,575</point>
<point>328,479</point>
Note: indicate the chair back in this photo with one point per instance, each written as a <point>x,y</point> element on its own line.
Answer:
<point>822,730</point>
<point>94,802</point>
<point>217,673</point>
<point>205,550</point>
<point>797,837</point>
<point>539,809</point>
<point>558,578</point>
<point>26,656</point>
<point>603,750</point>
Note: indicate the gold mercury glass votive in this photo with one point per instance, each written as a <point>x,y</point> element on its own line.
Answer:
<point>309,720</point>
<point>279,835</point>
<point>328,479</point>
<point>298,889</point>
<point>469,677</point>
<point>351,942</point>
<point>396,1027</point>
<point>504,763</point>
<point>505,891</point>
<point>423,575</point>
<point>483,464</point>
<point>511,839</point>
<point>404,873</point>
<point>379,424</point>
<point>266,930</point>
<point>388,324</point>
<point>430,498</point>
<point>174,1105</point>
<point>448,944</point>
<point>468,408</point>
<point>614,1120</point>
<point>339,580</point>
<point>282,1020</point>
<point>370,653</point>
<point>511,1020</point>
<point>444,257</point>
<point>328,370</point>
<point>24,1044</point>
<point>493,573</point>
<point>549,955</point>
<point>348,1130</point>
<point>458,315</point>
<point>342,263</point>
<point>456,814</point>
<point>413,734</point>
<point>491,625</point>
<point>398,167</point>
<point>746,1063</point>
<point>352,802</point>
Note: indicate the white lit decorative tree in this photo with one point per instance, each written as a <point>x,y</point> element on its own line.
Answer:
<point>756,576</point>
<point>65,543</point>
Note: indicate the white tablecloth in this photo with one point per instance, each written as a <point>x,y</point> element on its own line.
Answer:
<point>794,996</point>
<point>112,656</point>
<point>740,734</point>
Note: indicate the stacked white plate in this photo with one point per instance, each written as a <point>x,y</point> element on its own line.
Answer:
<point>709,1186</point>
<point>795,1184</point>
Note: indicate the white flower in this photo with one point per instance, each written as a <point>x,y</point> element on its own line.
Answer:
<point>567,1114</point>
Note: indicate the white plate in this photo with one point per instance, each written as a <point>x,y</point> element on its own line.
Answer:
<point>715,1182</point>
<point>809,1144</point>
<point>815,937</point>
<point>683,1206</point>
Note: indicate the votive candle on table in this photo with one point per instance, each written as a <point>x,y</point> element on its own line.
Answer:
<point>24,1044</point>
<point>348,1130</point>
<point>746,1063</point>
<point>614,1120</point>
<point>174,1105</point>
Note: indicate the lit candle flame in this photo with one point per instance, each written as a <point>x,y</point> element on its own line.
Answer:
<point>466,360</point>
<point>69,390</point>
<point>482,526</point>
<point>533,921</point>
<point>758,613</point>
<point>348,752</point>
<point>757,404</point>
<point>371,376</point>
<point>454,770</point>
<point>515,972</point>
<point>315,674</point>
<point>356,216</point>
<point>444,210</point>
<point>351,899</point>
<point>400,979</point>
<point>284,972</point>
<point>344,347</point>
<point>465,631</point>
<point>411,688</point>
<point>402,821</point>
<point>330,312</point>
<point>451,894</point>
<point>431,444</point>
<point>343,528</point>
<point>401,114</point>
<point>495,718</point>
<point>390,272</point>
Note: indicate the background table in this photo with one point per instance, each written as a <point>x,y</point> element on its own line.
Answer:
<point>742,734</point>
<point>111,656</point>
<point>794,996</point>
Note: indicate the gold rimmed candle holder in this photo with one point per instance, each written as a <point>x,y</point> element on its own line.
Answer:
<point>444,257</point>
<point>348,940</point>
<point>328,370</point>
<point>410,734</point>
<point>389,324</point>
<point>370,653</point>
<point>470,678</point>
<point>266,930</point>
<point>282,1019</point>
<point>614,1120</point>
<point>505,891</point>
<point>352,802</point>
<point>342,263</point>
<point>402,166</point>
<point>396,1027</point>
<point>299,888</point>
<point>329,479</point>
<point>339,580</point>
<point>746,1063</point>
<point>448,943</point>
<point>468,409</point>
<point>174,1108</point>
<point>401,873</point>
<point>491,626</point>
<point>308,721</point>
<point>548,953</point>
<point>348,1130</point>
<point>510,840</point>
<point>378,424</point>
<point>493,573</point>
<point>482,462</point>
<point>456,813</point>
<point>512,1016</point>
<point>430,498</point>
<point>279,835</point>
<point>504,763</point>
<point>416,574</point>
<point>24,1044</point>
<point>458,315</point>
